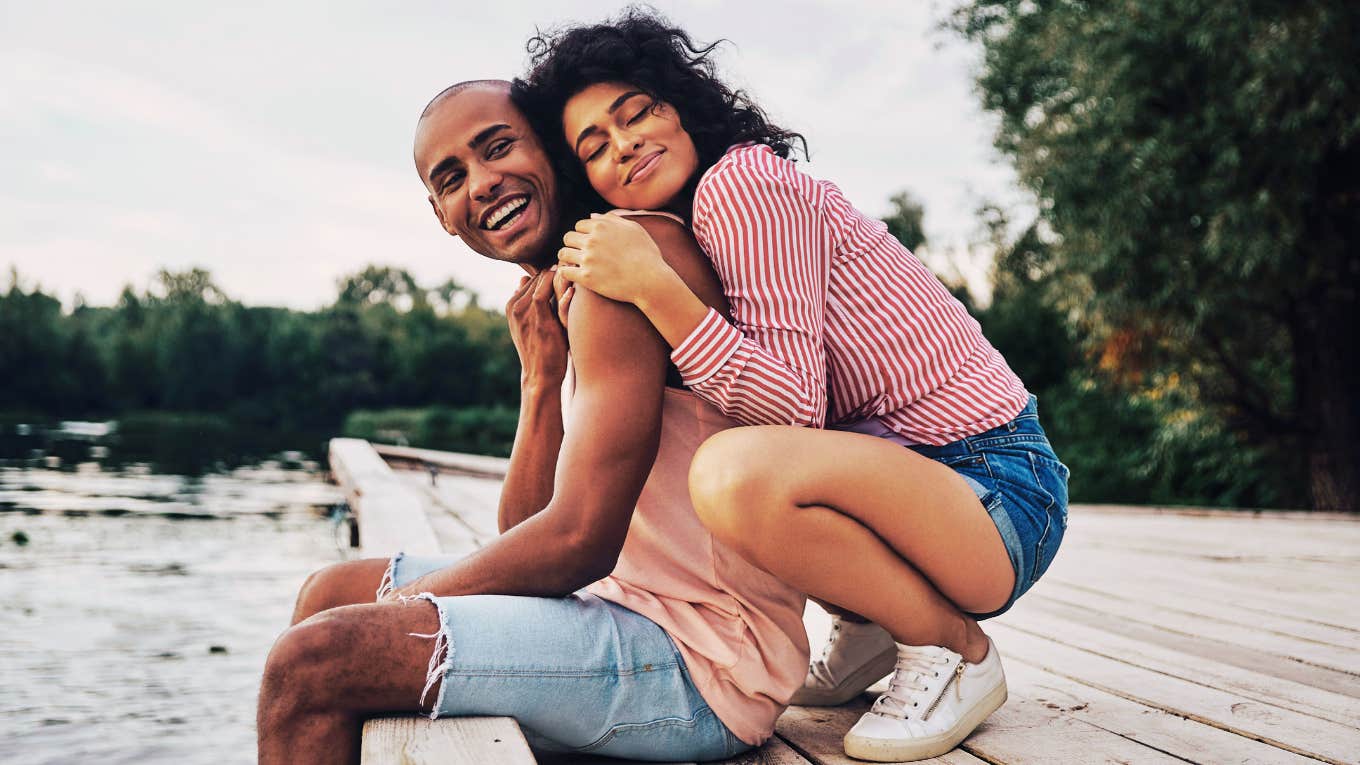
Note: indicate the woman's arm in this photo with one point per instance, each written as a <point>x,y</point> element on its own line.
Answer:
<point>770,248</point>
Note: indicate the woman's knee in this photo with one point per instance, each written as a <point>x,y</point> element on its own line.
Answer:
<point>733,484</point>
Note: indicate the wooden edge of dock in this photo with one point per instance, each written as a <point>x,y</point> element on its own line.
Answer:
<point>393,520</point>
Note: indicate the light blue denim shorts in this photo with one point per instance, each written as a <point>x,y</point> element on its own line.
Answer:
<point>579,674</point>
<point>1019,479</point>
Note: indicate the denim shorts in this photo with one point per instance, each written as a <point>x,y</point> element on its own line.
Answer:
<point>579,674</point>
<point>1015,473</point>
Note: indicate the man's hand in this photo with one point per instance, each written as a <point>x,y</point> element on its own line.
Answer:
<point>539,338</point>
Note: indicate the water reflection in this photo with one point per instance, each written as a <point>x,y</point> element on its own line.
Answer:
<point>130,633</point>
<point>191,444</point>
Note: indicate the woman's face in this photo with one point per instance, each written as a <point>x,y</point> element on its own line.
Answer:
<point>635,152</point>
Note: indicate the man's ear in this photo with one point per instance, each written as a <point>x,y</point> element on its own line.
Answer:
<point>438,213</point>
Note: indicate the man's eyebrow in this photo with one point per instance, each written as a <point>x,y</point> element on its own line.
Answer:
<point>591,130</point>
<point>486,134</point>
<point>445,165</point>
<point>448,163</point>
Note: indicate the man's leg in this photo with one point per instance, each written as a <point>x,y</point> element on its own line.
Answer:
<point>326,674</point>
<point>340,584</point>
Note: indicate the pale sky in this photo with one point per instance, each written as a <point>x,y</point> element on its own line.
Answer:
<point>270,143</point>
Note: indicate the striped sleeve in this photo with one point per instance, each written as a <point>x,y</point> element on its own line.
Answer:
<point>769,246</point>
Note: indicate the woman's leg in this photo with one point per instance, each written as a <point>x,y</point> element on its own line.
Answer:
<point>860,522</point>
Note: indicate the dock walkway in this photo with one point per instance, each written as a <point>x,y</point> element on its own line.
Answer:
<point>1159,635</point>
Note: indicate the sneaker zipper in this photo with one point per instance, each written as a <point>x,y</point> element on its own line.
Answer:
<point>953,680</point>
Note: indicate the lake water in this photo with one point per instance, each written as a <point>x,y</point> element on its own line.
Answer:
<point>137,607</point>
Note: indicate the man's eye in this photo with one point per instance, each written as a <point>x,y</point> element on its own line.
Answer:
<point>497,149</point>
<point>451,182</point>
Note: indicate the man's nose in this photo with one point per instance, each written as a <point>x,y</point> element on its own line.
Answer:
<point>484,183</point>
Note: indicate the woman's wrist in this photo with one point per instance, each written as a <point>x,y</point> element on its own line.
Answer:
<point>675,311</point>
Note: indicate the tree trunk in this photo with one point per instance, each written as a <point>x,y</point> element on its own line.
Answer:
<point>1327,372</point>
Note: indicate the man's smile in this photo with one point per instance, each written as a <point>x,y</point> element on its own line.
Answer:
<point>504,213</point>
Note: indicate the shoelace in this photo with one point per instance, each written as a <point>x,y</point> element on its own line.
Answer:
<point>916,667</point>
<point>819,668</point>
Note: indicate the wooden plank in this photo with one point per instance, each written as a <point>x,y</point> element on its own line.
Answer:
<point>473,464</point>
<point>1112,640</point>
<point>1298,594</point>
<point>1302,660</point>
<point>391,515</point>
<point>420,741</point>
<point>774,752</point>
<point>817,732</point>
<point>449,523</point>
<point>1165,732</point>
<point>1182,597</point>
<point>1284,728</point>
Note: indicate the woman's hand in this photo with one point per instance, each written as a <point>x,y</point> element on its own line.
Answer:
<point>539,338</point>
<point>614,257</point>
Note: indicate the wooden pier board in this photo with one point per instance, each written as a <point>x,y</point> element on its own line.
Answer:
<point>1159,635</point>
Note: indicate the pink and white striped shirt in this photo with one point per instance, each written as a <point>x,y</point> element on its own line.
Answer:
<point>830,311</point>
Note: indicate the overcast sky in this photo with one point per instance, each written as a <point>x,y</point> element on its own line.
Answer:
<point>271,143</point>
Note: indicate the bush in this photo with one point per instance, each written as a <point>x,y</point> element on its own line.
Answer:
<point>474,430</point>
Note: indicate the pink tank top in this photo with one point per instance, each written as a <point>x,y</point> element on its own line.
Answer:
<point>739,629</point>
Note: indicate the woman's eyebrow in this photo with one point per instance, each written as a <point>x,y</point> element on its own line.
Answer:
<point>591,129</point>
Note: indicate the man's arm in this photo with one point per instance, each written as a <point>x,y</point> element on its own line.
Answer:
<point>608,451</point>
<point>541,342</point>
<point>620,366</point>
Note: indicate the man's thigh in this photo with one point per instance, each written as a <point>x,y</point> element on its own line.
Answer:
<point>578,673</point>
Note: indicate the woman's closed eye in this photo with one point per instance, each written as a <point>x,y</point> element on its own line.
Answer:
<point>645,111</point>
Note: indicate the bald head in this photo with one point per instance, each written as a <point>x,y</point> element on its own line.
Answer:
<point>489,180</point>
<point>499,86</point>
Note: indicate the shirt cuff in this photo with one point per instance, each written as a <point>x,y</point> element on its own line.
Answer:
<point>706,350</point>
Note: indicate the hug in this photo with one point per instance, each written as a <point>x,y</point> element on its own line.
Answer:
<point>738,392</point>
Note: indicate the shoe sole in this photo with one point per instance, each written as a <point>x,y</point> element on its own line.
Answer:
<point>881,750</point>
<point>854,684</point>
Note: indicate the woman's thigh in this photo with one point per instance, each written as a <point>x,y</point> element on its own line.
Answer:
<point>925,511</point>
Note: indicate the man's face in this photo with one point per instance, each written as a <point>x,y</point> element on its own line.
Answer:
<point>490,181</point>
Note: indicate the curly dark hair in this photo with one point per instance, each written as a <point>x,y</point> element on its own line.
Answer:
<point>640,48</point>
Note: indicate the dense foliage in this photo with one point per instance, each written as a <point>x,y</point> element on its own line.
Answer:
<point>183,346</point>
<point>1198,166</point>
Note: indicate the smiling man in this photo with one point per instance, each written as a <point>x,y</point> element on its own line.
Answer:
<point>605,617</point>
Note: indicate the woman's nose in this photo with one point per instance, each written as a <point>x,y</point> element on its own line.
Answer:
<point>626,143</point>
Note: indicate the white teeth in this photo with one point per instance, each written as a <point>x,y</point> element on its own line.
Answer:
<point>503,211</point>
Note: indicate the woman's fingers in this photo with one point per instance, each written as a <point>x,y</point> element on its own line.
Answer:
<point>587,225</point>
<point>569,256</point>
<point>574,239</point>
<point>571,273</point>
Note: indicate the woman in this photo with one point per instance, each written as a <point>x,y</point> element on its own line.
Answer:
<point>938,501</point>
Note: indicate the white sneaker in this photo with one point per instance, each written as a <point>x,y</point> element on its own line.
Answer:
<point>856,657</point>
<point>934,701</point>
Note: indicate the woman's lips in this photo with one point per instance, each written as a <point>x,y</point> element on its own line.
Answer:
<point>644,167</point>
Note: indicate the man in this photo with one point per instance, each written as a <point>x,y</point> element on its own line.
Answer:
<point>605,618</point>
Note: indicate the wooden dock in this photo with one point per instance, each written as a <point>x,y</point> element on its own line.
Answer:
<point>1159,635</point>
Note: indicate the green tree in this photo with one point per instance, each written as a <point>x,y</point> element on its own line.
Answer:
<point>1199,164</point>
<point>906,222</point>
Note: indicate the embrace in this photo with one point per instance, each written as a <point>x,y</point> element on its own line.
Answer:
<point>738,392</point>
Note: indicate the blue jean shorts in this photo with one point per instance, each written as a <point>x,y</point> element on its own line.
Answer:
<point>579,674</point>
<point>1019,479</point>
